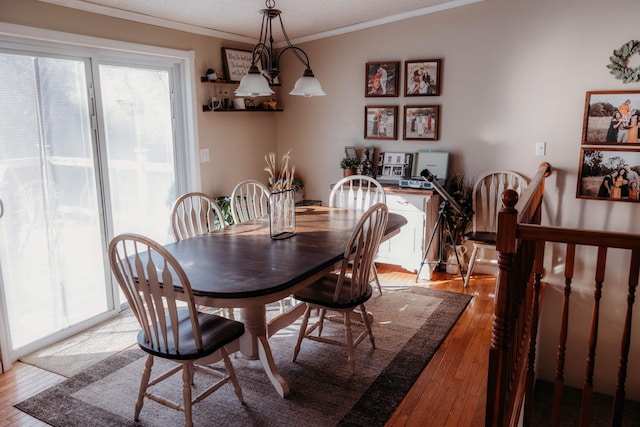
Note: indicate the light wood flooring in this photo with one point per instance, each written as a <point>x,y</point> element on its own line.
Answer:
<point>449,392</point>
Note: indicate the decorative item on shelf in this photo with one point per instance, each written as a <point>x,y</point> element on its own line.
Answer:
<point>212,75</point>
<point>270,105</point>
<point>619,65</point>
<point>282,207</point>
<point>256,82</point>
<point>349,165</point>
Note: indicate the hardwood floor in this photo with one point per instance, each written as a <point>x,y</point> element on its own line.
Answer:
<point>449,392</point>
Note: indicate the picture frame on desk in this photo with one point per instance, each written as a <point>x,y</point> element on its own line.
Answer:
<point>381,122</point>
<point>392,166</point>
<point>350,152</point>
<point>366,166</point>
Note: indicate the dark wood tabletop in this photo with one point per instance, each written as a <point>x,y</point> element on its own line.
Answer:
<point>242,261</point>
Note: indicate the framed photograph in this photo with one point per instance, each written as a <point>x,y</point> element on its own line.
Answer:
<point>609,174</point>
<point>611,118</point>
<point>382,79</point>
<point>366,162</point>
<point>236,63</point>
<point>381,122</point>
<point>422,77</point>
<point>421,122</point>
<point>350,152</point>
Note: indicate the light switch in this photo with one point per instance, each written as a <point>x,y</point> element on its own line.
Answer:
<point>541,148</point>
<point>204,155</point>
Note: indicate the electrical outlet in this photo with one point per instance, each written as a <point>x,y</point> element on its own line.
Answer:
<point>541,148</point>
<point>204,155</point>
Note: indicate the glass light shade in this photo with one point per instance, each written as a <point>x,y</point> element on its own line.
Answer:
<point>307,86</point>
<point>253,85</point>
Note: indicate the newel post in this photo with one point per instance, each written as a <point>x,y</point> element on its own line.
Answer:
<point>499,352</point>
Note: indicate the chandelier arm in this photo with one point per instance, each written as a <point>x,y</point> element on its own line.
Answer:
<point>296,50</point>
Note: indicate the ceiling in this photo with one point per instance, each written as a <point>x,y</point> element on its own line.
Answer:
<point>240,20</point>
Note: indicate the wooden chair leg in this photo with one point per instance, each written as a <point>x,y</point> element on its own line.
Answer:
<point>232,373</point>
<point>374,272</point>
<point>303,331</point>
<point>144,383</point>
<point>472,260</point>
<point>367,325</point>
<point>349,342</point>
<point>187,378</point>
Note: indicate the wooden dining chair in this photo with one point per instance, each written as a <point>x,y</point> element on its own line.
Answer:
<point>249,200</point>
<point>172,328</point>
<point>349,289</point>
<point>358,192</point>
<point>486,199</point>
<point>194,214</point>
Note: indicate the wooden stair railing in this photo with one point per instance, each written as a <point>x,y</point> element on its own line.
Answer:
<point>519,292</point>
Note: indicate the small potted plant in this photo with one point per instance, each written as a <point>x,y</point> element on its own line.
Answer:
<point>212,75</point>
<point>349,165</point>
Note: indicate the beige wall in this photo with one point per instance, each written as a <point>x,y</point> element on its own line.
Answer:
<point>514,72</point>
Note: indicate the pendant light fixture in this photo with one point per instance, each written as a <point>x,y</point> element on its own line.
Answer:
<point>256,83</point>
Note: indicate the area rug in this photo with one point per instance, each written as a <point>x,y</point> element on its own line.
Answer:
<point>409,325</point>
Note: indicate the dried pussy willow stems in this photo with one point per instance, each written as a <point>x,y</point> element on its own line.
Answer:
<point>281,179</point>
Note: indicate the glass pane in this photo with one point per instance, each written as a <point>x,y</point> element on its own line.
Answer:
<point>139,137</point>
<point>51,247</point>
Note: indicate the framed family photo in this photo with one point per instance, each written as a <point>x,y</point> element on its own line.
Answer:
<point>382,79</point>
<point>609,174</point>
<point>611,117</point>
<point>422,77</point>
<point>421,122</point>
<point>381,122</point>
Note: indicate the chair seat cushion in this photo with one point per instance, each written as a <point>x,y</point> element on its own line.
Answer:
<point>321,293</point>
<point>482,236</point>
<point>216,332</point>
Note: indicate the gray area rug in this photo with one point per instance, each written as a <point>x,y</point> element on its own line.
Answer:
<point>409,325</point>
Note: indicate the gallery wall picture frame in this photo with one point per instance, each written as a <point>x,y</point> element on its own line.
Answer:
<point>236,63</point>
<point>611,117</point>
<point>422,77</point>
<point>381,122</point>
<point>382,79</point>
<point>609,174</point>
<point>421,122</point>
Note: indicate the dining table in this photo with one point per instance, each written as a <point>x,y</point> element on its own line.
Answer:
<point>242,267</point>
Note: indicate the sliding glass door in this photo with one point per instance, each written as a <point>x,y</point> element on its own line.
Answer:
<point>77,165</point>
